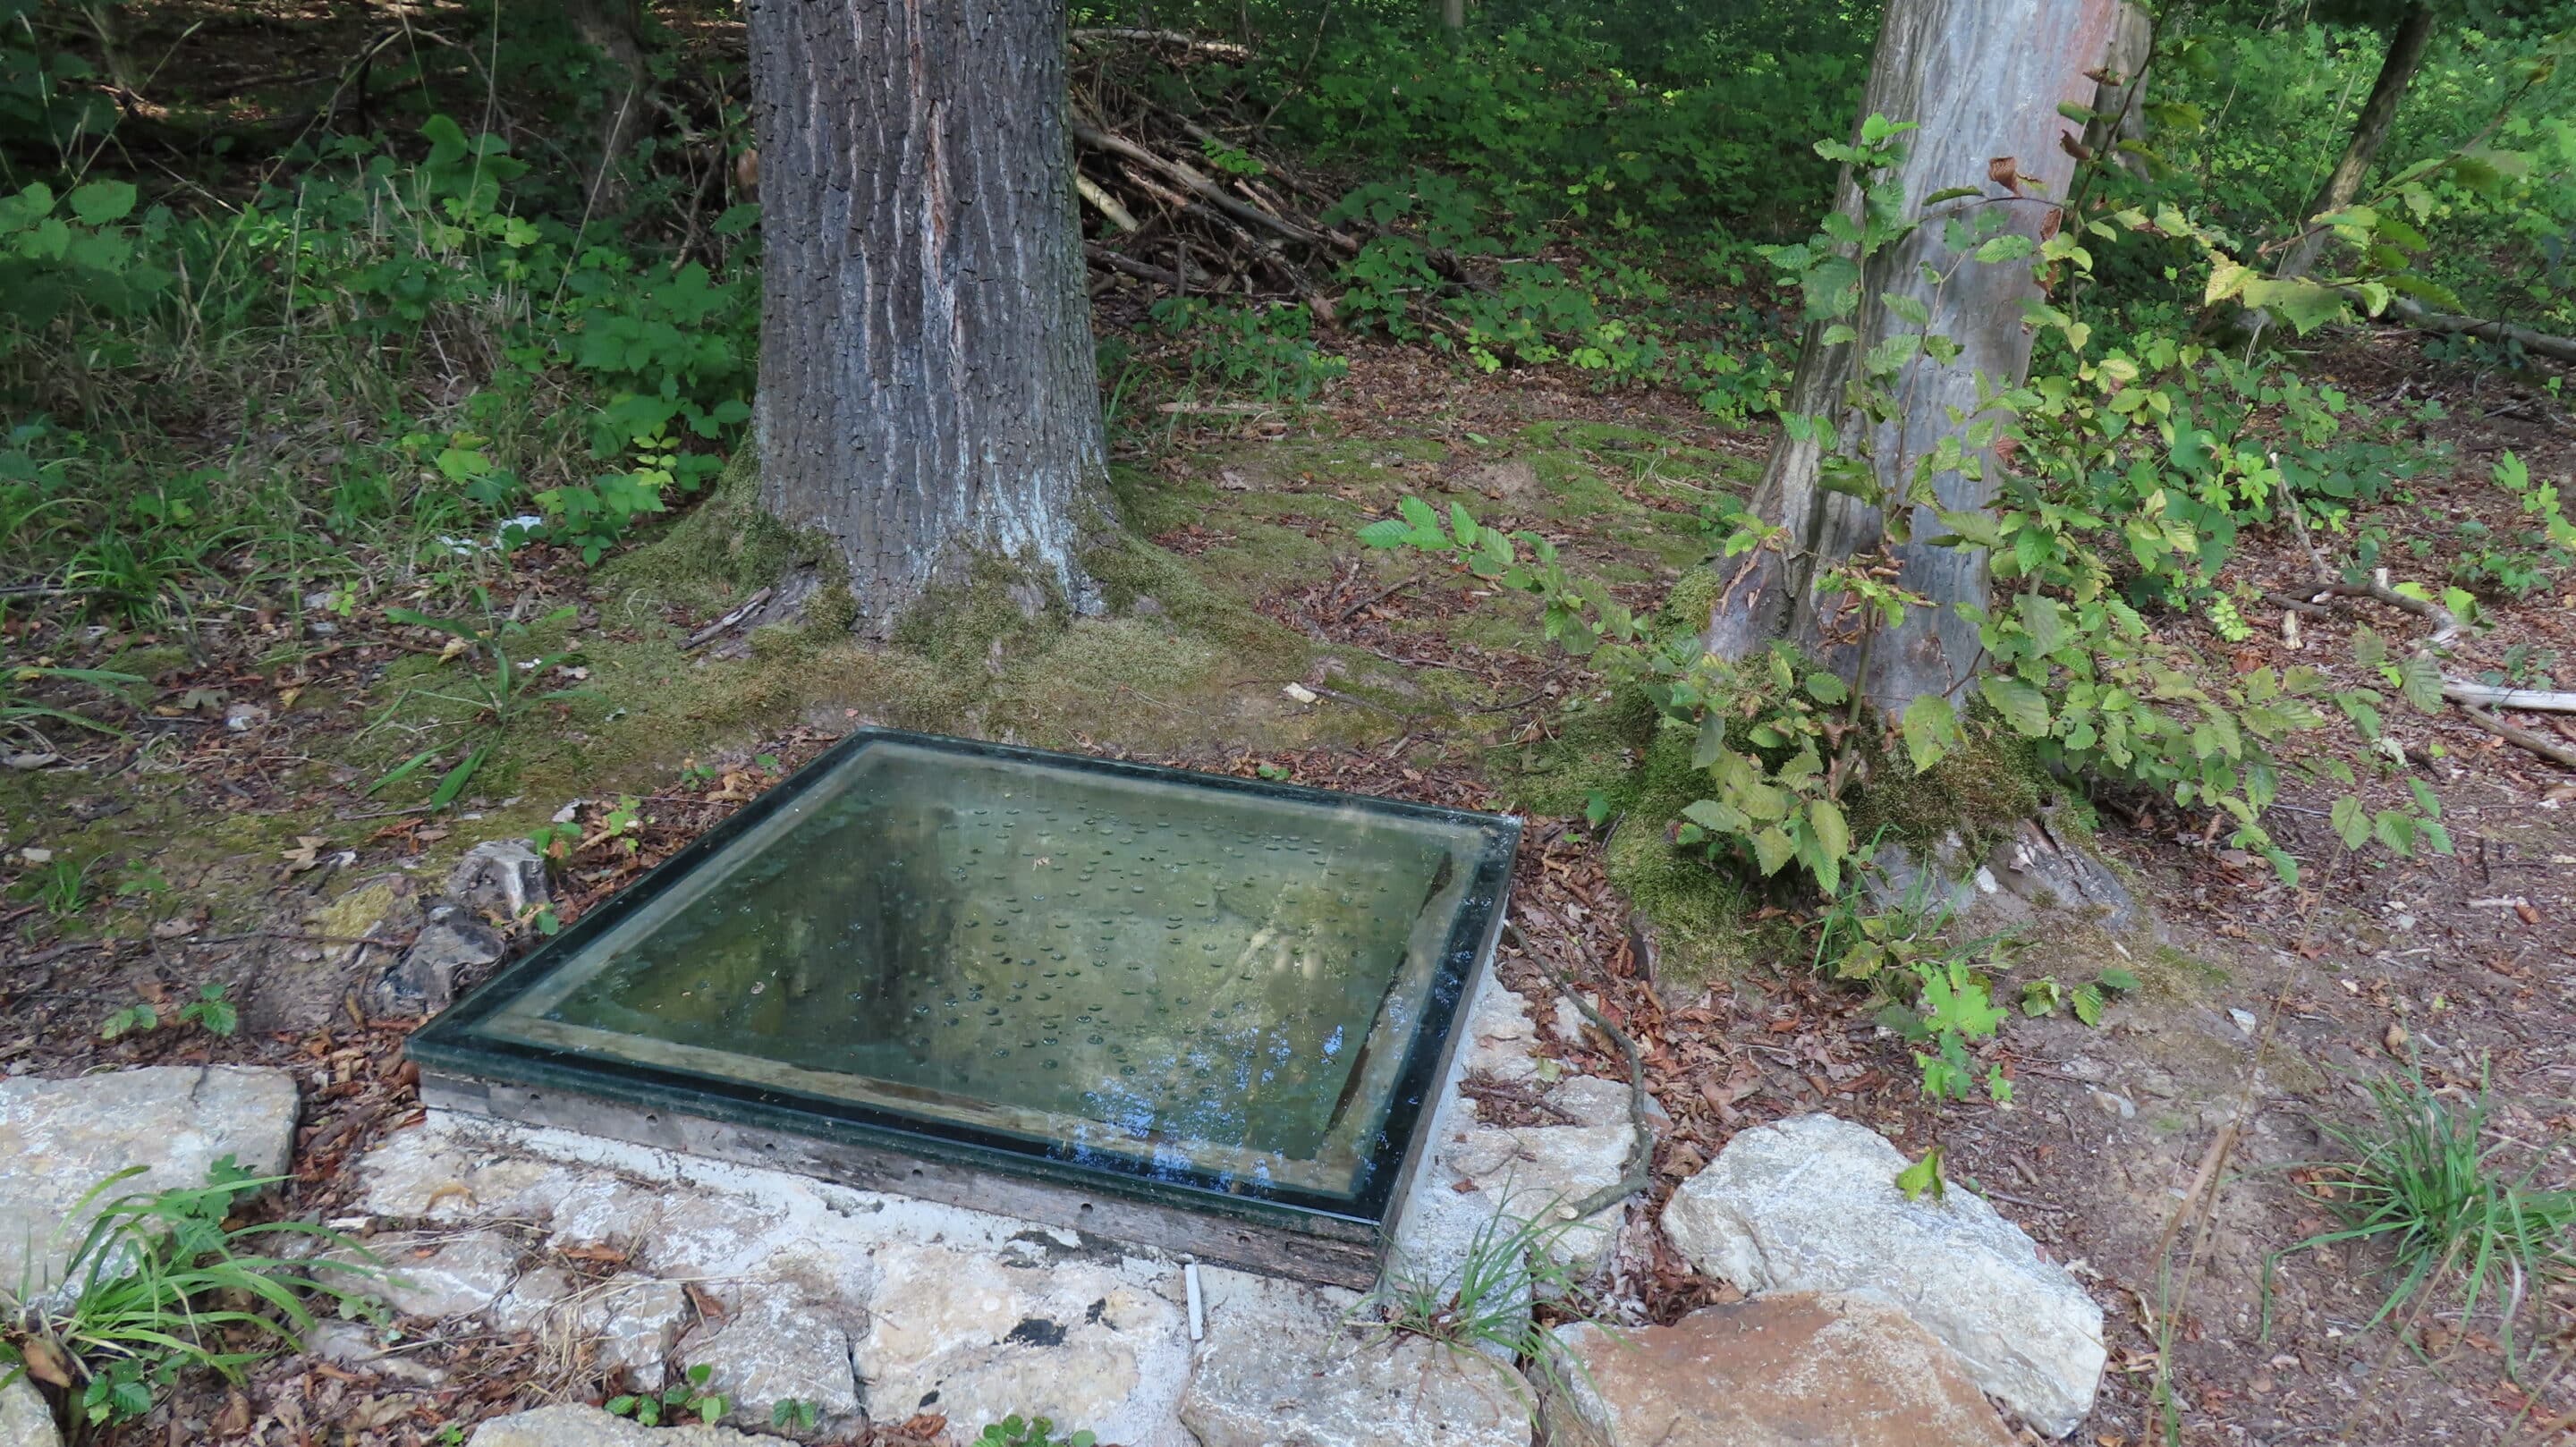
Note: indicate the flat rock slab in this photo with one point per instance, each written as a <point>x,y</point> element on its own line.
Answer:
<point>1811,1204</point>
<point>1282,1367</point>
<point>60,1138</point>
<point>1794,1369</point>
<point>977,1337</point>
<point>575,1426</point>
<point>431,1273</point>
<point>25,1420</point>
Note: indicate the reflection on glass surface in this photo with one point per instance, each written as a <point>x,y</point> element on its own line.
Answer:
<point>1203,983</point>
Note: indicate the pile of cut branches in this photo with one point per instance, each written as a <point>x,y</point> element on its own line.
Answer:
<point>1192,200</point>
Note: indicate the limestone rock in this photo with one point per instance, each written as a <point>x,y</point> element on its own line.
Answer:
<point>1282,1367</point>
<point>357,1346</point>
<point>503,878</point>
<point>776,1345</point>
<point>535,1302</point>
<point>1500,1041</point>
<point>423,981</point>
<point>578,1426</point>
<point>434,1274</point>
<point>60,1138</point>
<point>1787,1370</point>
<point>25,1420</point>
<point>976,1338</point>
<point>635,1320</point>
<point>1481,1173</point>
<point>1811,1204</point>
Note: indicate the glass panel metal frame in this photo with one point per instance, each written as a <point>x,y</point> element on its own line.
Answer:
<point>468,1041</point>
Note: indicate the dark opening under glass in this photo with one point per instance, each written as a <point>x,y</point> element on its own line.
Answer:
<point>1190,982</point>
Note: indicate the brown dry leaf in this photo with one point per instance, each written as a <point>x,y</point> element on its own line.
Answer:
<point>306,853</point>
<point>2395,1039</point>
<point>44,1361</point>
<point>2529,915</point>
<point>2005,171</point>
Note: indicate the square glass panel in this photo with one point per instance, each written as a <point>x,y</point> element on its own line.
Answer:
<point>1190,988</point>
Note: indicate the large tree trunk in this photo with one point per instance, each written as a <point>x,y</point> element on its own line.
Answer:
<point>2369,131</point>
<point>928,392</point>
<point>1983,79</point>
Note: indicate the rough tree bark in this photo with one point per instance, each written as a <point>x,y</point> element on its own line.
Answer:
<point>2370,129</point>
<point>2120,90</point>
<point>1983,79</point>
<point>928,392</point>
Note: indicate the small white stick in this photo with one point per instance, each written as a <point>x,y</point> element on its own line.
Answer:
<point>1198,1307</point>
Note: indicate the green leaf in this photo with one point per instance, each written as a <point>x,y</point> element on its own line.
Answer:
<point>2042,619</point>
<point>1419,514</point>
<point>1386,533</point>
<point>1832,831</point>
<point>2396,830</point>
<point>1772,849</point>
<point>1718,817</point>
<point>1931,728</point>
<point>101,202</point>
<point>2009,247</point>
<point>2368,648</point>
<point>2116,978</point>
<point>2351,821</point>
<point>2088,1004</point>
<point>1924,1176</point>
<point>2420,679</point>
<point>1709,749</point>
<point>457,778</point>
<point>2022,706</point>
<point>1826,689</point>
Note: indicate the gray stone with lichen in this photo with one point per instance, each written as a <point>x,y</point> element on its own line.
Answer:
<point>577,1426</point>
<point>59,1139</point>
<point>25,1420</point>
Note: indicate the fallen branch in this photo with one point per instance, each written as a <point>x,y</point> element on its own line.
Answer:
<point>2539,344</point>
<point>1172,38</point>
<point>2530,700</point>
<point>1193,181</point>
<point>2549,749</point>
<point>2446,625</point>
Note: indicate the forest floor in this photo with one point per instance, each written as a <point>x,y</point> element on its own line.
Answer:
<point>221,837</point>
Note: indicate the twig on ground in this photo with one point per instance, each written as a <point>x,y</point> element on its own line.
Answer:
<point>718,628</point>
<point>2557,753</point>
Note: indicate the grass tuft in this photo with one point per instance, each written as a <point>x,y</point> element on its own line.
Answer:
<point>2426,1183</point>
